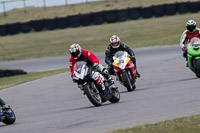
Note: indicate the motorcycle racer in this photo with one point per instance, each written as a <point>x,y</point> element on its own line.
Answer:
<point>114,46</point>
<point>78,54</point>
<point>190,32</point>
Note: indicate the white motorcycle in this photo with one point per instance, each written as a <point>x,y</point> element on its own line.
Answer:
<point>97,96</point>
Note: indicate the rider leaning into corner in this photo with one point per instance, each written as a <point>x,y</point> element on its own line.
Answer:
<point>114,46</point>
<point>4,105</point>
<point>78,54</point>
<point>190,32</point>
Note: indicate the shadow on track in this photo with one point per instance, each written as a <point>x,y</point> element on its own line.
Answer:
<point>93,107</point>
<point>182,80</point>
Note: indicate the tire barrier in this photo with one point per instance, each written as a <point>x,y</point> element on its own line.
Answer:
<point>170,9</point>
<point>122,15</point>
<point>86,19</point>
<point>25,27</point>
<point>61,23</point>
<point>111,16</point>
<point>50,24</point>
<point>8,73</point>
<point>182,8</point>
<point>37,25</point>
<point>74,21</point>
<point>194,6</point>
<point>98,18</point>
<point>3,30</point>
<point>13,28</point>
<point>159,10</point>
<point>134,13</point>
<point>147,12</point>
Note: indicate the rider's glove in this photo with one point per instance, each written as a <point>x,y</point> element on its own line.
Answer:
<point>133,58</point>
<point>105,71</point>
<point>110,63</point>
<point>184,48</point>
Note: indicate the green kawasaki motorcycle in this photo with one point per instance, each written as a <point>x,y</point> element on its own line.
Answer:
<point>193,55</point>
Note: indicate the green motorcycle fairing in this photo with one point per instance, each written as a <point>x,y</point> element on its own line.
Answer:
<point>193,52</point>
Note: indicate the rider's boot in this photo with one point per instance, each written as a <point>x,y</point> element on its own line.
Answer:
<point>99,80</point>
<point>137,73</point>
<point>108,76</point>
<point>187,64</point>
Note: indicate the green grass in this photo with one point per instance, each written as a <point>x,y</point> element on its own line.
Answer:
<point>189,124</point>
<point>139,33</point>
<point>18,15</point>
<point>14,80</point>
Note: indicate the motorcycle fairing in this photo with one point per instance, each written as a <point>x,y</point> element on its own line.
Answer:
<point>193,51</point>
<point>80,70</point>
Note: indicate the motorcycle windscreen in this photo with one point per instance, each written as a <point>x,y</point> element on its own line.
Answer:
<point>195,42</point>
<point>120,59</point>
<point>80,70</point>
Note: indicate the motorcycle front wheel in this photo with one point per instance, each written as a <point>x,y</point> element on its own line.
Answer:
<point>126,81</point>
<point>197,66</point>
<point>115,96</point>
<point>93,95</point>
<point>9,117</point>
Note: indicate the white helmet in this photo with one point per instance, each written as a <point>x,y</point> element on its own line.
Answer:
<point>114,40</point>
<point>191,26</point>
<point>75,50</point>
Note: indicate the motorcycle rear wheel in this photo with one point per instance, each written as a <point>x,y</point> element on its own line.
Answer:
<point>93,95</point>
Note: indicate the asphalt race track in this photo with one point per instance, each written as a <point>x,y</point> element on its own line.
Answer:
<point>166,90</point>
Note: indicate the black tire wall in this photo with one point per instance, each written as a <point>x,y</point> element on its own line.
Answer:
<point>194,6</point>
<point>61,23</point>
<point>122,15</point>
<point>25,27</point>
<point>97,18</point>
<point>74,21</point>
<point>8,73</point>
<point>86,19</point>
<point>147,12</point>
<point>182,8</point>
<point>134,13</point>
<point>3,30</point>
<point>110,16</point>
<point>170,9</point>
<point>37,25</point>
<point>50,24</point>
<point>159,10</point>
<point>13,28</point>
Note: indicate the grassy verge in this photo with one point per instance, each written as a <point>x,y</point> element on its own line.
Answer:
<point>181,125</point>
<point>32,13</point>
<point>14,80</point>
<point>140,33</point>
